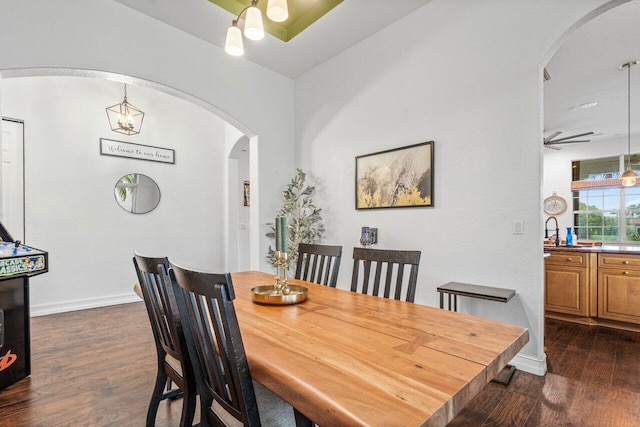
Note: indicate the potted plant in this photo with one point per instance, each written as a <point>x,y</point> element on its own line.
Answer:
<point>304,223</point>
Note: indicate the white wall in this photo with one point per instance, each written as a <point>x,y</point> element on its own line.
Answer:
<point>237,149</point>
<point>70,207</point>
<point>69,36</point>
<point>467,75</point>
<point>244,224</point>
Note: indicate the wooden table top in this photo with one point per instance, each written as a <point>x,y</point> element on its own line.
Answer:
<point>342,358</point>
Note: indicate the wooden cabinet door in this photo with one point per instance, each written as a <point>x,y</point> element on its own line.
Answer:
<point>566,289</point>
<point>619,295</point>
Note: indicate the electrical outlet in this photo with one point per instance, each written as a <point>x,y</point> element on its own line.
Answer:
<point>517,226</point>
<point>373,234</point>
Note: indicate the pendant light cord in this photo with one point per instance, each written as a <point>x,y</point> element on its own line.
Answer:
<point>629,177</point>
<point>629,114</point>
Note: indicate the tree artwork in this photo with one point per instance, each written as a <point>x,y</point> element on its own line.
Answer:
<point>395,178</point>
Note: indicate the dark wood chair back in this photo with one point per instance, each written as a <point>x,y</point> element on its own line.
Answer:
<point>205,301</point>
<point>318,264</point>
<point>394,263</point>
<point>174,363</point>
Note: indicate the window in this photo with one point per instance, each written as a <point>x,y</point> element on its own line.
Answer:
<point>602,209</point>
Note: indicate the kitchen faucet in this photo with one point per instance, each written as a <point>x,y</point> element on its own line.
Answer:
<point>546,231</point>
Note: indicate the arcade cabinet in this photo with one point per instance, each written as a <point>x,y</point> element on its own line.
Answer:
<point>18,263</point>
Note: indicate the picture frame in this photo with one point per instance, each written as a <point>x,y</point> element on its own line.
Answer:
<point>246,193</point>
<point>396,178</point>
<point>111,147</point>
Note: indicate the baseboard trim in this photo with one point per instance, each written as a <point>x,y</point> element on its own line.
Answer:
<point>530,364</point>
<point>82,304</point>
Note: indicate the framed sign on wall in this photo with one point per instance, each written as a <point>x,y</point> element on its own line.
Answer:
<point>110,147</point>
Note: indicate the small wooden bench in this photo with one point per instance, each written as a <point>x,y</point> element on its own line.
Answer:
<point>482,292</point>
<point>473,291</point>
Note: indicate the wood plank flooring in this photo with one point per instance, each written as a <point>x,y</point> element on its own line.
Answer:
<point>593,379</point>
<point>89,368</point>
<point>97,367</point>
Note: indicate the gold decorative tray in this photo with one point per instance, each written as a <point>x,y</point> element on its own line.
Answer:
<point>267,295</point>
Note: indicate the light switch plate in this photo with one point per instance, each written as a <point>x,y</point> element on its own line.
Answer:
<point>517,226</point>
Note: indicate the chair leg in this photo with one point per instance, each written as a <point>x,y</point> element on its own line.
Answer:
<point>156,396</point>
<point>188,402</point>
<point>172,395</point>
<point>205,405</point>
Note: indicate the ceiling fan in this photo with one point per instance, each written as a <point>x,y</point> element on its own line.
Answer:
<point>551,140</point>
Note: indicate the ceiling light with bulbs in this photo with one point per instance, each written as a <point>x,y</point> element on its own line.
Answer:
<point>277,11</point>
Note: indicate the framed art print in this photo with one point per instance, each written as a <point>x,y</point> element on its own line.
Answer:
<point>397,178</point>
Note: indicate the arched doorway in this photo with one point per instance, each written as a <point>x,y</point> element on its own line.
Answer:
<point>65,119</point>
<point>584,89</point>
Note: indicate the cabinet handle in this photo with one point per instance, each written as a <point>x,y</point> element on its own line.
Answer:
<point>625,272</point>
<point>625,262</point>
<point>569,259</point>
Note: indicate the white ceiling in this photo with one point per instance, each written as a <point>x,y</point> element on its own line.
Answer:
<point>345,25</point>
<point>584,69</point>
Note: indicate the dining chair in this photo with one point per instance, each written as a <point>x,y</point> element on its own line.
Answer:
<point>227,393</point>
<point>318,263</point>
<point>174,364</point>
<point>394,263</point>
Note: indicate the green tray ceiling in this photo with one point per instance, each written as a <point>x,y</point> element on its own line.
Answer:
<point>301,15</point>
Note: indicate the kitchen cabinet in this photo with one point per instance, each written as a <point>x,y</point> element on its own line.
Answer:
<point>593,285</point>
<point>619,287</point>
<point>566,283</point>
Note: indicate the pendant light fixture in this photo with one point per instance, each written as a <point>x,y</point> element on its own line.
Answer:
<point>277,10</point>
<point>253,28</point>
<point>629,177</point>
<point>124,117</point>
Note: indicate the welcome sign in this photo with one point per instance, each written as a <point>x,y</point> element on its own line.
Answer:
<point>110,147</point>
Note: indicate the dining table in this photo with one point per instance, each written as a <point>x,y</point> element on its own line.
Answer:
<point>343,358</point>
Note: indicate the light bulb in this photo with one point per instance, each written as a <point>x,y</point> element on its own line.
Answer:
<point>233,45</point>
<point>629,182</point>
<point>253,24</point>
<point>277,10</point>
<point>629,178</point>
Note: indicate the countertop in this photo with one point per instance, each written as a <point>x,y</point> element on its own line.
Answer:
<point>605,249</point>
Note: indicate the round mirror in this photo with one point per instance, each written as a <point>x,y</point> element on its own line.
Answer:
<point>137,193</point>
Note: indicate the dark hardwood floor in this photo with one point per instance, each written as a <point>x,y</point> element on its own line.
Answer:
<point>97,367</point>
<point>593,379</point>
<point>88,368</point>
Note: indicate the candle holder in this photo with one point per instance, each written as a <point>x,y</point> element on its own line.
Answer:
<point>280,293</point>
<point>281,286</point>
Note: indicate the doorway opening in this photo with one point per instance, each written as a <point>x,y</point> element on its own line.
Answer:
<point>12,174</point>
